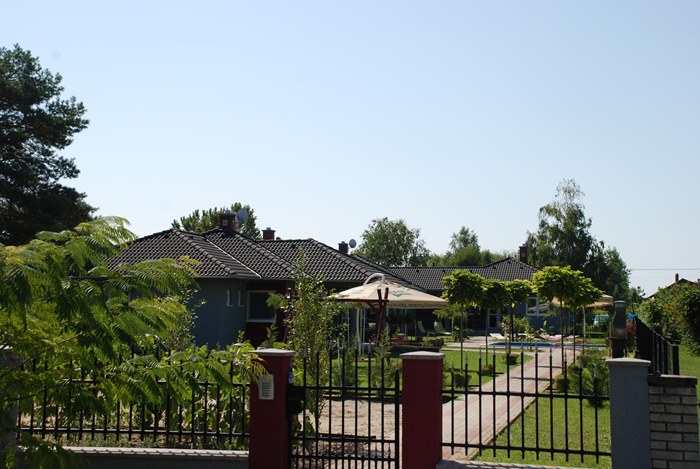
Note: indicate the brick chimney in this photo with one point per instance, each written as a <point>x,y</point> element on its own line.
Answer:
<point>228,221</point>
<point>268,234</point>
<point>343,247</point>
<point>523,254</point>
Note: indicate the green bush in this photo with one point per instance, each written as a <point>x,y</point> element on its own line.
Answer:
<point>589,376</point>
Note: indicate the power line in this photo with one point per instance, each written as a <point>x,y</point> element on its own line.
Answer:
<point>676,269</point>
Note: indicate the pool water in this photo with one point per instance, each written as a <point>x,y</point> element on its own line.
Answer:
<point>523,344</point>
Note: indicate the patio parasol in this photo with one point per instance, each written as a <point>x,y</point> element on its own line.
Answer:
<point>385,293</point>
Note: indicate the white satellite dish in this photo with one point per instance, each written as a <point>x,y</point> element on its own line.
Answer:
<point>242,215</point>
<point>352,243</point>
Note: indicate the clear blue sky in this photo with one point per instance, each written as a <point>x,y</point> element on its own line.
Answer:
<point>325,115</point>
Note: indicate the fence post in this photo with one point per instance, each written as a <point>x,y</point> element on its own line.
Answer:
<point>630,428</point>
<point>269,438</point>
<point>421,429</point>
<point>9,359</point>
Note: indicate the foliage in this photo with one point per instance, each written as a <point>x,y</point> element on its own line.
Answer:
<point>564,238</point>
<point>465,251</point>
<point>384,368</point>
<point>36,124</point>
<point>570,287</point>
<point>520,324</point>
<point>200,221</point>
<point>392,243</point>
<point>61,304</point>
<point>463,289</point>
<point>310,315</point>
<point>589,376</point>
<point>496,294</point>
<point>674,312</point>
<point>519,291</point>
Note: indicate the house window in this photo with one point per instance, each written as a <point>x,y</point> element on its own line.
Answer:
<point>533,306</point>
<point>258,310</point>
<point>230,295</point>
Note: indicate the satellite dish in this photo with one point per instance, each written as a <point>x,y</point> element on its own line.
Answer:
<point>242,215</point>
<point>352,243</point>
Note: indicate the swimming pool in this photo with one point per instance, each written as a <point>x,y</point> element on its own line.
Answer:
<point>523,344</point>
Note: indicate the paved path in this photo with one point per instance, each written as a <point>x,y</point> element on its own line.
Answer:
<point>479,425</point>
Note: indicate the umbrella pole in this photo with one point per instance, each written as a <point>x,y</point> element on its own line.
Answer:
<point>461,340</point>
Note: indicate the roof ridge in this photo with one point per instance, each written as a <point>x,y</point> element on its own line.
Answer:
<point>257,246</point>
<point>186,236</point>
<point>270,255</point>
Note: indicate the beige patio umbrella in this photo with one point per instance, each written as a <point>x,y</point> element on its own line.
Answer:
<point>602,302</point>
<point>385,293</point>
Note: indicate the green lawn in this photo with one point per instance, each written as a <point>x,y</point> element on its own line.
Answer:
<point>690,366</point>
<point>545,429</point>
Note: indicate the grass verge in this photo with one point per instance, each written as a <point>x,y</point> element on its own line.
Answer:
<point>547,425</point>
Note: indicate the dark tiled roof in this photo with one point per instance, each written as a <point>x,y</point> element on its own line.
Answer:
<point>233,255</point>
<point>323,259</point>
<point>254,254</point>
<point>175,244</point>
<point>430,278</point>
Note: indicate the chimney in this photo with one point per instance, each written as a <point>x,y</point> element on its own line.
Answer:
<point>677,279</point>
<point>228,221</point>
<point>343,247</point>
<point>523,254</point>
<point>268,234</point>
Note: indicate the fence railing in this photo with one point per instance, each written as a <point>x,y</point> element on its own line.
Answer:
<point>652,346</point>
<point>206,415</point>
<point>530,412</point>
<point>348,411</point>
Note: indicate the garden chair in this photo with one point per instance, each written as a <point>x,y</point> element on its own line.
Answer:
<point>422,332</point>
<point>439,330</point>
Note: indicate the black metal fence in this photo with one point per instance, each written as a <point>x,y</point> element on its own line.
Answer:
<point>205,415</point>
<point>347,413</point>
<point>652,346</point>
<point>540,410</point>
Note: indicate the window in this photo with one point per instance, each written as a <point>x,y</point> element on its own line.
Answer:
<point>230,298</point>
<point>534,308</point>
<point>258,310</point>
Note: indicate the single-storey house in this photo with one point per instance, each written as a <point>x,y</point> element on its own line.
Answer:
<point>236,274</point>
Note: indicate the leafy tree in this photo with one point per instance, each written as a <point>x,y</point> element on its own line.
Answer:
<point>310,315</point>
<point>62,305</point>
<point>36,124</point>
<point>463,289</point>
<point>569,287</point>
<point>674,312</point>
<point>464,238</point>
<point>465,251</point>
<point>518,292</point>
<point>564,238</point>
<point>200,221</point>
<point>393,243</point>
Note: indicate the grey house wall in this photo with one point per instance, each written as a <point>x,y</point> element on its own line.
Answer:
<point>223,312</point>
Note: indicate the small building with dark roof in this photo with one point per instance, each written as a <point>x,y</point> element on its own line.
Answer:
<point>431,280</point>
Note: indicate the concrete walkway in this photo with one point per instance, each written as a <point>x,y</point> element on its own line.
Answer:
<point>474,417</point>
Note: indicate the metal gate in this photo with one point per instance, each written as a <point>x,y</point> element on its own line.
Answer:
<point>345,411</point>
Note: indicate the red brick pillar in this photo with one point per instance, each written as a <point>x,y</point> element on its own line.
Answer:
<point>269,439</point>
<point>421,428</point>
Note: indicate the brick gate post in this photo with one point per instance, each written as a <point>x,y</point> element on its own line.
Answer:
<point>269,439</point>
<point>421,428</point>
